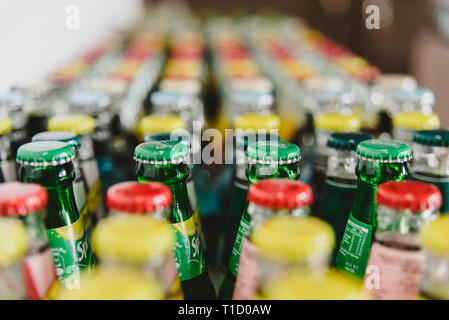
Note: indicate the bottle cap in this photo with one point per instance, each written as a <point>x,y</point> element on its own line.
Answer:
<point>422,96</point>
<point>432,138</point>
<point>394,81</point>
<point>19,199</point>
<point>409,195</point>
<point>87,102</point>
<point>62,136</point>
<point>133,239</point>
<point>173,100</point>
<point>385,151</point>
<point>257,121</point>
<point>45,153</point>
<point>79,124</point>
<point>416,120</point>
<point>294,240</point>
<point>161,152</point>
<point>256,84</point>
<point>347,141</point>
<point>13,241</point>
<point>161,123</point>
<point>434,236</point>
<point>251,101</point>
<point>301,285</point>
<point>272,152</point>
<point>138,197</point>
<point>337,122</point>
<point>280,194</point>
<point>113,284</point>
<point>186,86</point>
<point>5,125</point>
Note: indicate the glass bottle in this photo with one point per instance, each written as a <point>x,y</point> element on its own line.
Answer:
<point>396,260</point>
<point>7,164</point>
<point>49,163</point>
<point>378,161</point>
<point>431,161</point>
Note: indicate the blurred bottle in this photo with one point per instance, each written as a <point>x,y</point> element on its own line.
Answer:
<point>325,124</point>
<point>378,161</point>
<point>435,278</point>
<point>431,161</point>
<point>264,160</point>
<point>165,161</point>
<point>396,261</point>
<point>107,284</point>
<point>27,203</point>
<point>298,251</point>
<point>80,184</point>
<point>266,199</point>
<point>140,243</point>
<point>7,163</point>
<point>84,126</point>
<point>12,106</point>
<point>99,106</point>
<point>50,164</point>
<point>341,182</point>
<point>381,100</point>
<point>13,248</point>
<point>405,124</point>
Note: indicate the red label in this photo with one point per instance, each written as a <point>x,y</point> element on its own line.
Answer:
<point>393,274</point>
<point>39,274</point>
<point>248,273</point>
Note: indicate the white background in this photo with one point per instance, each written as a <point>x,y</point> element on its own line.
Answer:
<point>34,39</point>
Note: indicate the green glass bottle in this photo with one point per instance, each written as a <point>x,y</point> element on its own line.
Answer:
<point>378,161</point>
<point>80,184</point>
<point>265,160</point>
<point>50,164</point>
<point>239,191</point>
<point>431,161</point>
<point>341,182</point>
<point>165,161</point>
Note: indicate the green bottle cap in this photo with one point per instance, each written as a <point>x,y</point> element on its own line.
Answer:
<point>273,152</point>
<point>161,152</point>
<point>385,151</point>
<point>432,138</point>
<point>62,136</point>
<point>184,139</point>
<point>347,141</point>
<point>45,153</point>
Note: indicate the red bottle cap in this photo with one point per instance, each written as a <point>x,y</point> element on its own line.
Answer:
<point>138,197</point>
<point>19,199</point>
<point>280,194</point>
<point>412,195</point>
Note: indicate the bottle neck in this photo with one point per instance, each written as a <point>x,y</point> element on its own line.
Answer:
<point>61,207</point>
<point>370,175</point>
<point>431,161</point>
<point>256,172</point>
<point>341,166</point>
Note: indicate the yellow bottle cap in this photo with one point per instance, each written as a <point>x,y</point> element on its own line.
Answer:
<point>303,285</point>
<point>416,120</point>
<point>434,236</point>
<point>132,238</point>
<point>76,123</point>
<point>5,125</point>
<point>112,284</point>
<point>257,121</point>
<point>13,241</point>
<point>337,122</point>
<point>161,124</point>
<point>293,239</point>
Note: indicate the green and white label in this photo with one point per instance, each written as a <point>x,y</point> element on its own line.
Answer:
<point>355,247</point>
<point>242,233</point>
<point>188,252</point>
<point>71,253</point>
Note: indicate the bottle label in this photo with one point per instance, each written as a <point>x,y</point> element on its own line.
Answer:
<point>247,278</point>
<point>393,274</point>
<point>39,274</point>
<point>242,233</point>
<point>353,254</point>
<point>71,252</point>
<point>442,184</point>
<point>188,252</point>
